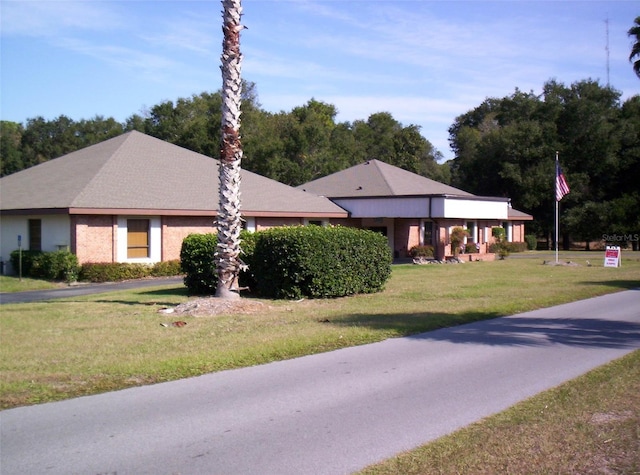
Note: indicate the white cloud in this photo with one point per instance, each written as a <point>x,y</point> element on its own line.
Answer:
<point>47,18</point>
<point>188,33</point>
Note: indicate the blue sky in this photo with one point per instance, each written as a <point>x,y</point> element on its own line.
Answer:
<point>425,62</point>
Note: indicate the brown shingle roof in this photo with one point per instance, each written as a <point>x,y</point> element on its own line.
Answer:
<point>378,179</point>
<point>136,172</point>
<point>515,214</point>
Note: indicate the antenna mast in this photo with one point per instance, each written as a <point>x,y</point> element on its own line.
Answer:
<point>607,48</point>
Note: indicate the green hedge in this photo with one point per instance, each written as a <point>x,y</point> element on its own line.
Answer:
<point>119,271</point>
<point>55,265</point>
<point>532,241</point>
<point>320,262</point>
<point>421,251</point>
<point>63,265</point>
<point>28,257</point>
<point>508,247</point>
<point>197,263</point>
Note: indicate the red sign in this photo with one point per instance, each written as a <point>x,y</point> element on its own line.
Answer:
<point>612,256</point>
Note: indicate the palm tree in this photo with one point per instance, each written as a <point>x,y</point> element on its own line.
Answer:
<point>634,31</point>
<point>229,221</point>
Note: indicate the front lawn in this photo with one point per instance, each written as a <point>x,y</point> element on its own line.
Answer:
<point>66,348</point>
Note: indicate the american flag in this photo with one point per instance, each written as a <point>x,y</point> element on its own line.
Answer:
<point>561,183</point>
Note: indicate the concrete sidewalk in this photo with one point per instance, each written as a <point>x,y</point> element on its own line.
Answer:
<point>330,413</point>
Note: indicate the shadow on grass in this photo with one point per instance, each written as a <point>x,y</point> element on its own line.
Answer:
<point>486,329</point>
<point>150,303</point>
<point>175,291</point>
<point>619,284</point>
<point>405,324</point>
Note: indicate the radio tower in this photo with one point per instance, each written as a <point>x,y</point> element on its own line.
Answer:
<point>606,48</point>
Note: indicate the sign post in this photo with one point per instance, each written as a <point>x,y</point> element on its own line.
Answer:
<point>20,256</point>
<point>612,256</point>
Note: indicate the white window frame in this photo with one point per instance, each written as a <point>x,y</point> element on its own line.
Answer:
<point>155,240</point>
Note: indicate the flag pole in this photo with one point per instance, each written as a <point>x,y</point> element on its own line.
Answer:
<point>556,200</point>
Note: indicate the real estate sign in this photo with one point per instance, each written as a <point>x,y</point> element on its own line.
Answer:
<point>612,256</point>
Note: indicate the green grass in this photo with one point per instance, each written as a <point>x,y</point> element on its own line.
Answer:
<point>590,425</point>
<point>15,284</point>
<point>66,348</point>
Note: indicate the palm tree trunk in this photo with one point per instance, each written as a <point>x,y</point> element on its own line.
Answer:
<point>229,221</point>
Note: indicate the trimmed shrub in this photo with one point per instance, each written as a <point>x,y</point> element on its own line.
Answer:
<point>119,271</point>
<point>517,246</point>
<point>503,249</point>
<point>498,233</point>
<point>113,271</point>
<point>55,265</point>
<point>421,251</point>
<point>197,263</point>
<point>28,258</point>
<point>248,245</point>
<point>61,265</point>
<point>532,241</point>
<point>166,269</point>
<point>320,262</point>
<point>470,248</point>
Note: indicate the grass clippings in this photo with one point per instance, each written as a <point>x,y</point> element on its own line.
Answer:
<point>211,306</point>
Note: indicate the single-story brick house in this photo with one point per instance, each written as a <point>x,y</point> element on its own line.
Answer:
<point>134,198</point>
<point>413,210</point>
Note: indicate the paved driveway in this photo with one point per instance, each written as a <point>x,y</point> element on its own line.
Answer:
<point>84,289</point>
<point>330,413</point>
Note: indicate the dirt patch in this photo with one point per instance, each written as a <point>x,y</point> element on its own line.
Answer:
<point>562,263</point>
<point>211,306</point>
<point>609,417</point>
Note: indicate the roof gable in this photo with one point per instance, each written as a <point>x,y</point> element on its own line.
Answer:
<point>136,171</point>
<point>376,178</point>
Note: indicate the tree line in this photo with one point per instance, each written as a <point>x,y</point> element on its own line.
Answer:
<point>503,147</point>
<point>507,147</point>
<point>292,147</point>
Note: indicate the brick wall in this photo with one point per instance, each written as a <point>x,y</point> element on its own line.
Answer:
<point>407,235</point>
<point>176,228</point>
<point>517,230</point>
<point>95,238</point>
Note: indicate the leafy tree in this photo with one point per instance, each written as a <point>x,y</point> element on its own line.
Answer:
<point>43,140</point>
<point>10,153</point>
<point>634,32</point>
<point>588,221</point>
<point>506,147</point>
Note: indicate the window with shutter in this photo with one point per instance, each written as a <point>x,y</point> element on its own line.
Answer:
<point>137,238</point>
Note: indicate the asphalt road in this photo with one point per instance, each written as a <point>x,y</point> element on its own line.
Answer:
<point>330,413</point>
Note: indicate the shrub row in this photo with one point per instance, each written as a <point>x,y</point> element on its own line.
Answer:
<point>509,247</point>
<point>63,265</point>
<point>56,265</point>
<point>421,251</point>
<point>295,262</point>
<point>118,271</point>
